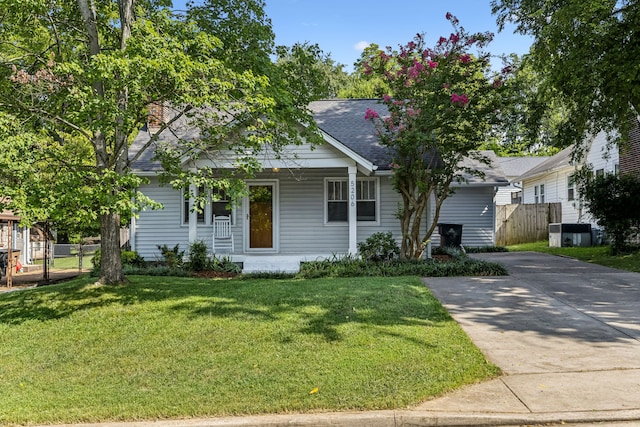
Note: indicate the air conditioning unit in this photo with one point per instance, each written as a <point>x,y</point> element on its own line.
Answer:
<point>566,235</point>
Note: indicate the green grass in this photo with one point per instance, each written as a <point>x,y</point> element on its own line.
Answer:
<point>167,347</point>
<point>595,254</point>
<point>70,263</point>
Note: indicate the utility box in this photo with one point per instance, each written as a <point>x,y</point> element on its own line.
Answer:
<point>567,235</point>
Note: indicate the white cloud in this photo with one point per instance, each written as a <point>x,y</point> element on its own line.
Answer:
<point>360,46</point>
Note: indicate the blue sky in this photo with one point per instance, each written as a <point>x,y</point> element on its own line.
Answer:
<point>343,27</point>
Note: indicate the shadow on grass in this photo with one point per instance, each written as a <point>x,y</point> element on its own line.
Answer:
<point>324,304</point>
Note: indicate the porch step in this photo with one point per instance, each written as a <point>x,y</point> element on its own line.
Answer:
<point>270,265</point>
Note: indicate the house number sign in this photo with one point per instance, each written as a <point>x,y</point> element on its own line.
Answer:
<point>352,192</point>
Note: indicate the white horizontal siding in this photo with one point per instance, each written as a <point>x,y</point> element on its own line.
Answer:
<point>160,227</point>
<point>302,217</point>
<point>473,208</point>
<point>601,156</point>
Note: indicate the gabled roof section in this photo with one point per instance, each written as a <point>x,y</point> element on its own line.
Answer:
<point>516,166</point>
<point>559,161</point>
<point>343,120</point>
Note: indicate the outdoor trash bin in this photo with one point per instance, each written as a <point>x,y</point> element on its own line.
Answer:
<point>450,235</point>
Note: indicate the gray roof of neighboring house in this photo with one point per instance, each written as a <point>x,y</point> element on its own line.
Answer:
<point>341,119</point>
<point>559,161</point>
<point>516,166</point>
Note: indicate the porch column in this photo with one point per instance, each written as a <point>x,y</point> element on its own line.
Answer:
<point>193,215</point>
<point>353,213</point>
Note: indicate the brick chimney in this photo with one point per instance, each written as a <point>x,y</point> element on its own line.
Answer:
<point>155,116</point>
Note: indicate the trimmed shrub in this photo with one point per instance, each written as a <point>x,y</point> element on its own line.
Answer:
<point>379,247</point>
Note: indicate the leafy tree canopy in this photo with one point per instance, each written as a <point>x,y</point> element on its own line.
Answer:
<point>77,77</point>
<point>587,52</point>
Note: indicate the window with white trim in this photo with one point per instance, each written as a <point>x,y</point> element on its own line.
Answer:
<point>538,193</point>
<point>571,187</point>
<point>220,204</point>
<point>337,200</point>
<point>186,209</point>
<point>217,203</point>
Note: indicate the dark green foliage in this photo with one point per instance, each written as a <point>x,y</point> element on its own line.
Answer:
<point>613,200</point>
<point>485,249</point>
<point>223,265</point>
<point>130,259</point>
<point>172,257</point>
<point>351,267</point>
<point>198,258</point>
<point>379,247</point>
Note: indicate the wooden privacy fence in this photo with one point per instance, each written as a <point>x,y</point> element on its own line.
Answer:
<point>523,223</point>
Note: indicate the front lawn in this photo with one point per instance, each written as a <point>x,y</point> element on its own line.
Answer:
<point>168,347</point>
<point>595,254</point>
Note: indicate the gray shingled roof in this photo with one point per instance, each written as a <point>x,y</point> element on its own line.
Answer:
<point>559,161</point>
<point>343,120</point>
<point>516,166</point>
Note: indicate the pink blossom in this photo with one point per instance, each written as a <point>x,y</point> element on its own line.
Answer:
<point>371,114</point>
<point>433,64</point>
<point>411,45</point>
<point>497,83</point>
<point>454,38</point>
<point>394,166</point>
<point>460,100</point>
<point>442,40</point>
<point>386,98</point>
<point>465,59</point>
<point>448,16</point>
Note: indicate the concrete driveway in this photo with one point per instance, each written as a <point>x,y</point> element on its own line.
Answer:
<point>566,334</point>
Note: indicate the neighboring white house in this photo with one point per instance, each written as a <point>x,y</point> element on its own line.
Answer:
<point>553,180</point>
<point>310,204</point>
<point>513,167</point>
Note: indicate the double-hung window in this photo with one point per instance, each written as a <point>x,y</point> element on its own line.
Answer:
<point>216,202</point>
<point>538,193</point>
<point>337,200</point>
<point>220,204</point>
<point>186,208</point>
<point>571,187</point>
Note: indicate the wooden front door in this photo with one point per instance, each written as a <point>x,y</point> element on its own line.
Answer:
<point>261,216</point>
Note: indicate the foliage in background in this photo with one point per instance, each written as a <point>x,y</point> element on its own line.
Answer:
<point>614,202</point>
<point>441,104</point>
<point>586,54</point>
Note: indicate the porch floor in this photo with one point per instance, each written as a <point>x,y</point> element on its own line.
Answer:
<point>274,263</point>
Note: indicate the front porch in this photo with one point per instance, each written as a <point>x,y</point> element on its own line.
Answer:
<point>270,263</point>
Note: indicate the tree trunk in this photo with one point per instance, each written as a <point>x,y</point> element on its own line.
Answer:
<point>110,260</point>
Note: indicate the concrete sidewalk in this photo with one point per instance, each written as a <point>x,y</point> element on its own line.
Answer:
<point>565,333</point>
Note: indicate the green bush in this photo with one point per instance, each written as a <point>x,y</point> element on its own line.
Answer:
<point>198,258</point>
<point>379,247</point>
<point>172,257</point>
<point>223,265</point>
<point>129,258</point>
<point>350,267</point>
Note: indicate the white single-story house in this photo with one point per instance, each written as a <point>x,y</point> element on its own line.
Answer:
<point>553,180</point>
<point>310,204</point>
<point>513,167</point>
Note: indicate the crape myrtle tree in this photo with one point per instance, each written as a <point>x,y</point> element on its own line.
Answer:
<point>441,106</point>
<point>586,55</point>
<point>83,73</point>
